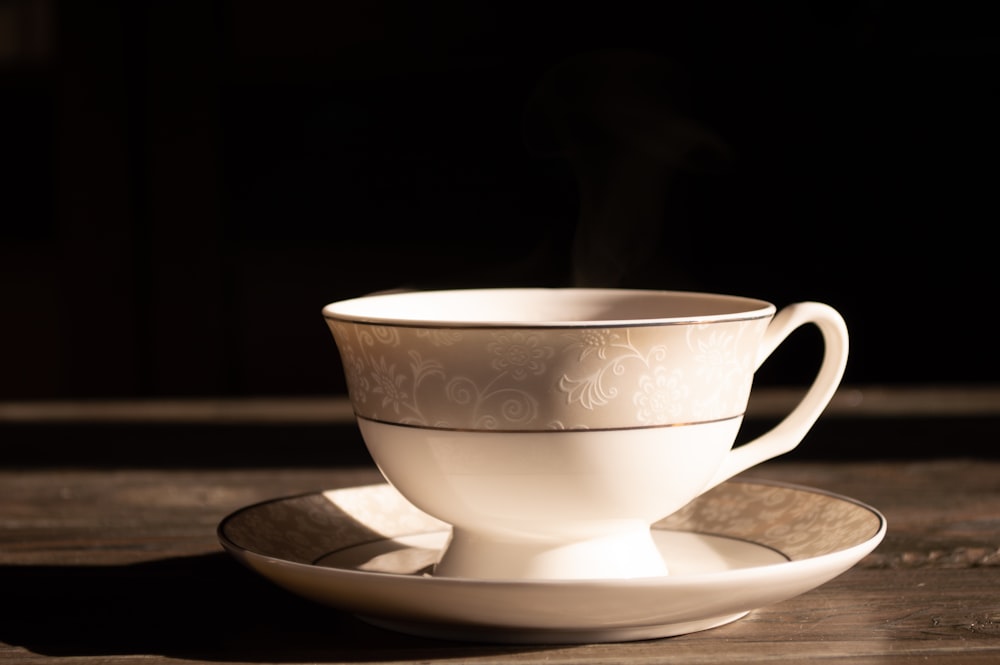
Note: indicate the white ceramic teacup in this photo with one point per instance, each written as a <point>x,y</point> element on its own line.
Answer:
<point>552,427</point>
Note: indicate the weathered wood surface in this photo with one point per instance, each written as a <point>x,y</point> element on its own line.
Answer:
<point>123,566</point>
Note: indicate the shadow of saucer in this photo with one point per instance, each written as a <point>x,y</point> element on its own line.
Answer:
<point>203,607</point>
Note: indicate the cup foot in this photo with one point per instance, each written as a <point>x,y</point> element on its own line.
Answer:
<point>620,555</point>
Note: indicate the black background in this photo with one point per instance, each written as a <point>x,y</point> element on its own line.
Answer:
<point>186,184</point>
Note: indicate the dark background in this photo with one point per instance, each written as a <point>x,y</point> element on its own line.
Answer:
<point>184,185</point>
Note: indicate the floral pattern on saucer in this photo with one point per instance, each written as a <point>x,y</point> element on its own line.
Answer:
<point>369,552</point>
<point>800,523</point>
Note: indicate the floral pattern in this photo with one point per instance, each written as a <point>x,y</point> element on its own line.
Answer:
<point>659,397</point>
<point>797,522</point>
<point>531,379</point>
<point>519,354</point>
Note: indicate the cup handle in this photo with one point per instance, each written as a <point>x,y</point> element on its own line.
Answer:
<point>787,434</point>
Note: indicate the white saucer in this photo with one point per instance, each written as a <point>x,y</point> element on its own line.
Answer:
<point>740,546</point>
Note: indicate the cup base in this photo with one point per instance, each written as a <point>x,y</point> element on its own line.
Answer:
<point>625,554</point>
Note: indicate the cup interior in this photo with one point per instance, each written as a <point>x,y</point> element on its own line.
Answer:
<point>549,307</point>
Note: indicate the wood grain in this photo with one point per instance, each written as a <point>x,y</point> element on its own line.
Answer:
<point>122,566</point>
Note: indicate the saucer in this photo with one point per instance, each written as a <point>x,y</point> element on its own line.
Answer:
<point>740,546</point>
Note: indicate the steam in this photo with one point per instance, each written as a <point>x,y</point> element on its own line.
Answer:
<point>619,119</point>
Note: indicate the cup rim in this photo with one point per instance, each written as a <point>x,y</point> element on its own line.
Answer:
<point>413,308</point>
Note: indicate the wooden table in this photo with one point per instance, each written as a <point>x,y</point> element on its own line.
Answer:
<point>122,566</point>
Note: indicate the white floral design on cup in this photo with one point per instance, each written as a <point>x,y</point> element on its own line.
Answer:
<point>719,363</point>
<point>596,389</point>
<point>479,378</point>
<point>660,397</point>
<point>389,384</point>
<point>519,354</point>
<point>440,337</point>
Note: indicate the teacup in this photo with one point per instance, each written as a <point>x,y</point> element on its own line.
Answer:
<point>552,427</point>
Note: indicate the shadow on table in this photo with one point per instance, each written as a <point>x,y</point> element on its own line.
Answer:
<point>201,607</point>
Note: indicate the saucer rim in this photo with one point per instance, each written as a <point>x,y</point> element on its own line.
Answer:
<point>716,598</point>
<point>869,543</point>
